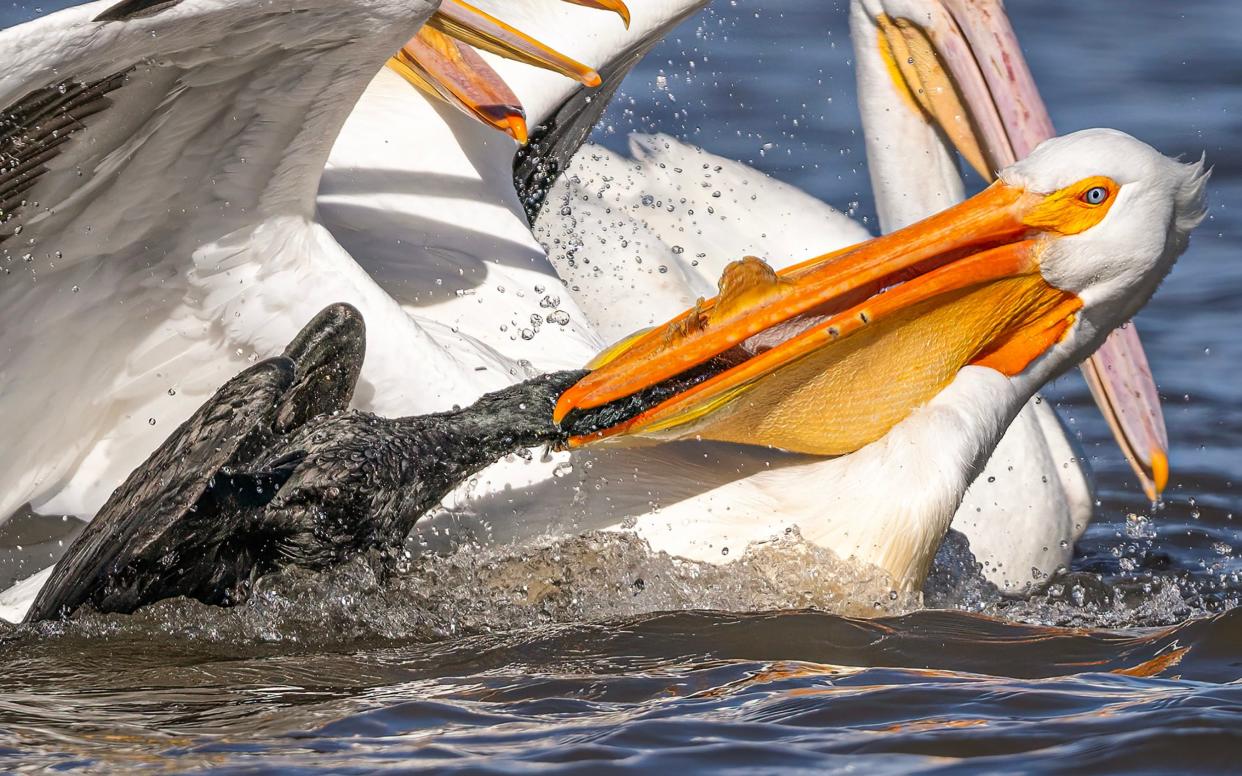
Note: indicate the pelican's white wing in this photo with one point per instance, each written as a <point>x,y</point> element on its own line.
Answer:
<point>158,183</point>
<point>422,196</point>
<point>409,175</point>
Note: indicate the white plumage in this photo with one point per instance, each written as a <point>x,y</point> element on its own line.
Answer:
<point>190,244</point>
<point>663,223</point>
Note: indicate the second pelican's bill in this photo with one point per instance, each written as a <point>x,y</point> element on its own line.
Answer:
<point>959,67</point>
<point>441,61</point>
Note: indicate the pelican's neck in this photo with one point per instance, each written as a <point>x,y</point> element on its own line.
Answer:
<point>887,505</point>
<point>914,173</point>
<point>892,501</point>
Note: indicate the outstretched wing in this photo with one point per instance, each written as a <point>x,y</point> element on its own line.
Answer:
<point>158,165</point>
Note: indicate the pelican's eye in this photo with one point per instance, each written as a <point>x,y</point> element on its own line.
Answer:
<point>1075,208</point>
<point>1096,195</point>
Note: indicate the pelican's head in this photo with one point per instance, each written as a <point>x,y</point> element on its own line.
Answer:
<point>1118,214</point>
<point>825,357</point>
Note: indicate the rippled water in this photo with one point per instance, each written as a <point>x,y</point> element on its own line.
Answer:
<point>516,660</point>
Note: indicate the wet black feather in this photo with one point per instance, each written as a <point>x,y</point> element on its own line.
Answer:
<point>135,9</point>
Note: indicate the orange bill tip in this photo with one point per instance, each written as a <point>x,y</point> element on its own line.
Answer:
<point>615,6</point>
<point>452,71</point>
<point>1160,473</point>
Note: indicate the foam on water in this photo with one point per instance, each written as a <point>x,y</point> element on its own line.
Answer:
<point>592,577</point>
<point>604,576</point>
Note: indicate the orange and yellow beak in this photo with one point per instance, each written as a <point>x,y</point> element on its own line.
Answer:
<point>454,72</point>
<point>828,355</point>
<point>442,61</point>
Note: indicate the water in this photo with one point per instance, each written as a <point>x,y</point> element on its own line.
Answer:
<point>517,660</point>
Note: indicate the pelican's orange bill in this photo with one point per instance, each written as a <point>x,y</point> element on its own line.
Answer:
<point>440,65</point>
<point>472,25</point>
<point>959,65</point>
<point>442,62</point>
<point>829,354</point>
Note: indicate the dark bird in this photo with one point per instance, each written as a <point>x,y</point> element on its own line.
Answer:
<point>274,470</point>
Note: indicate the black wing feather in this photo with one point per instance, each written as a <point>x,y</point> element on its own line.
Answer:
<point>553,143</point>
<point>135,9</point>
<point>167,500</point>
<point>34,130</point>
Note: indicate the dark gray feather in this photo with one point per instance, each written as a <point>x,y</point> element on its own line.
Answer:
<point>135,9</point>
<point>36,128</point>
<point>122,557</point>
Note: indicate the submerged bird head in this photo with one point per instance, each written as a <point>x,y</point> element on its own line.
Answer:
<point>826,357</point>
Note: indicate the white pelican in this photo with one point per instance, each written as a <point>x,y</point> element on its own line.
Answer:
<point>905,357</point>
<point>159,163</point>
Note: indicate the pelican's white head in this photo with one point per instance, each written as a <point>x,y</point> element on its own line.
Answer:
<point>1124,214</point>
